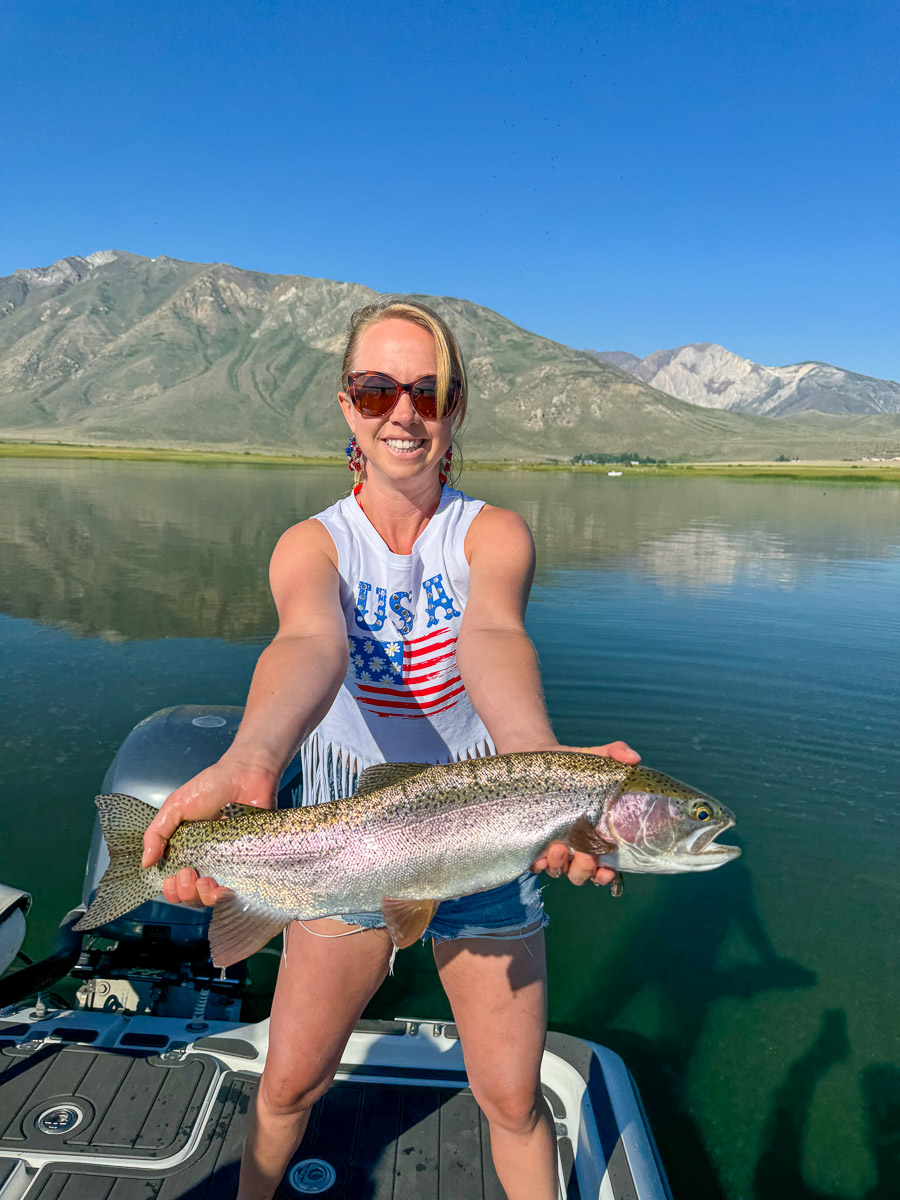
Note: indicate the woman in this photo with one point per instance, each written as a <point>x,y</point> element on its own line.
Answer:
<point>400,637</point>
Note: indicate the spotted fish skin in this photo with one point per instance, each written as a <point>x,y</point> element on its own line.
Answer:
<point>414,832</point>
<point>446,831</point>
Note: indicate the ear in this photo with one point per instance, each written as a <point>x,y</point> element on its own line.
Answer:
<point>348,410</point>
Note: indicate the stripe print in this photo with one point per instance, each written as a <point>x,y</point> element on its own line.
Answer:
<point>413,679</point>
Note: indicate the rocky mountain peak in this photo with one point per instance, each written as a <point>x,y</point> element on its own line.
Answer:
<point>101,257</point>
<point>707,374</point>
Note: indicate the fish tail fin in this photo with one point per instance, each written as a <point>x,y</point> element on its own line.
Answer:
<point>124,885</point>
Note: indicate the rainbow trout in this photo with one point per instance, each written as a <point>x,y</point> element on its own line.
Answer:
<point>411,836</point>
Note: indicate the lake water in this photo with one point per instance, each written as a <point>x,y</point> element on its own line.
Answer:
<point>743,636</point>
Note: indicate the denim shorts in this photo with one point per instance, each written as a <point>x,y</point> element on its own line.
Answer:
<point>507,913</point>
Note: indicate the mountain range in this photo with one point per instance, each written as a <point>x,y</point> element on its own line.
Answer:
<point>709,375</point>
<point>115,348</point>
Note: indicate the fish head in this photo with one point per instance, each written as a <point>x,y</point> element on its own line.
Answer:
<point>661,826</point>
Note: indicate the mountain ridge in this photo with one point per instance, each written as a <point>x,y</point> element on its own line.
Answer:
<point>116,348</point>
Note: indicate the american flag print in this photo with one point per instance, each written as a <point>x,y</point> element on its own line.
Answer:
<point>414,679</point>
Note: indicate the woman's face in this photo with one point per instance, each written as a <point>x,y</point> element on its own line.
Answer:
<point>402,445</point>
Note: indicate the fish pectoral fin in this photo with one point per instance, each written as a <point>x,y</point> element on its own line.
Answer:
<point>584,836</point>
<point>233,810</point>
<point>239,928</point>
<point>383,774</point>
<point>407,920</point>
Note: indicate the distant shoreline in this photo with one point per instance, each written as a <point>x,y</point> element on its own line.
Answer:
<point>818,471</point>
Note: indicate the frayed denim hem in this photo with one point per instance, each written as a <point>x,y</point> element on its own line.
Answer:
<point>512,933</point>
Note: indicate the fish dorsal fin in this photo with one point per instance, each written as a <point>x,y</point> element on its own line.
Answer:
<point>239,928</point>
<point>384,774</point>
<point>407,920</point>
<point>584,836</point>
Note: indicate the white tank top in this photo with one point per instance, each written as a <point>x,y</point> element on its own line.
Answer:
<point>402,699</point>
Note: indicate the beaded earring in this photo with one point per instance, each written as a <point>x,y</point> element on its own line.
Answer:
<point>354,455</point>
<point>444,470</point>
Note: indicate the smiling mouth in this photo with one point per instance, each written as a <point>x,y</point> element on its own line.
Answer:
<point>404,445</point>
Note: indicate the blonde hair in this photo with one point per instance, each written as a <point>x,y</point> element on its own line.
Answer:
<point>450,364</point>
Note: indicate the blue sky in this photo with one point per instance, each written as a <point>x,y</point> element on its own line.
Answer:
<point>613,175</point>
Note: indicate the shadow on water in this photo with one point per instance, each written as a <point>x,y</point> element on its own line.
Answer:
<point>673,953</point>
<point>779,1171</point>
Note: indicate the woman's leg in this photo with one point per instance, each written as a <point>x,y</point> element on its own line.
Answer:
<point>498,993</point>
<point>324,983</point>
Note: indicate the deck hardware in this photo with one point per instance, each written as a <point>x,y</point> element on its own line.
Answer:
<point>61,1118</point>
<point>30,1045</point>
<point>312,1176</point>
<point>197,1023</point>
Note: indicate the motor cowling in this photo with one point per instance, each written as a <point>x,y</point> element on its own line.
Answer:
<point>160,754</point>
<point>14,906</point>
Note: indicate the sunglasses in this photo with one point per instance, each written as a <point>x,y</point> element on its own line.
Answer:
<point>375,394</point>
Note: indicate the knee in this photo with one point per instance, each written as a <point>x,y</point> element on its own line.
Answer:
<point>514,1109</point>
<point>281,1095</point>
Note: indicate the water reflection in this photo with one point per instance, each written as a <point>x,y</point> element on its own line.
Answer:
<point>130,551</point>
<point>146,550</point>
<point>700,533</point>
<point>715,556</point>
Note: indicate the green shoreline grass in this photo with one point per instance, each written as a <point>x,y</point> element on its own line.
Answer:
<point>803,472</point>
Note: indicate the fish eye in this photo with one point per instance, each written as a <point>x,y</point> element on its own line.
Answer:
<point>701,811</point>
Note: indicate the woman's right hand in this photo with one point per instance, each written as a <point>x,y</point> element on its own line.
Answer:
<point>202,799</point>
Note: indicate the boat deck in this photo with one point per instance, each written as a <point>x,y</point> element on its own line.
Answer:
<point>115,1110</point>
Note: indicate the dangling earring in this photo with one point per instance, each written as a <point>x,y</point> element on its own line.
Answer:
<point>354,455</point>
<point>444,469</point>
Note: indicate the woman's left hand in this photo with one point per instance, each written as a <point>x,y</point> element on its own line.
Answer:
<point>578,866</point>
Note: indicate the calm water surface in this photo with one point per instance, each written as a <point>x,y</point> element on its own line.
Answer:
<point>743,636</point>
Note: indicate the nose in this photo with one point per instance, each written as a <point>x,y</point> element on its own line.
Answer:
<point>404,410</point>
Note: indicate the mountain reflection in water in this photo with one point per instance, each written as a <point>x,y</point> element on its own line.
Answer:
<point>149,550</point>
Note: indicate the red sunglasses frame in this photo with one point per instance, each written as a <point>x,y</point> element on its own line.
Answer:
<point>411,389</point>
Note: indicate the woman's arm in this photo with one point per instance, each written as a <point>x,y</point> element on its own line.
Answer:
<point>499,666</point>
<point>299,674</point>
<point>496,659</point>
<point>295,682</point>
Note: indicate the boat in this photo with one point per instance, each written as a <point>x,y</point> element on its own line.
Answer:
<point>140,1085</point>
<point>614,474</point>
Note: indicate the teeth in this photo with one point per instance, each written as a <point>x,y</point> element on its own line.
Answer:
<point>407,445</point>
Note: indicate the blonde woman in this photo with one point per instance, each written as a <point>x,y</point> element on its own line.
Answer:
<point>400,638</point>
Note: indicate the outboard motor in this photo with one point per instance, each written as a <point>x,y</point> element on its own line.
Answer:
<point>160,754</point>
<point>14,906</point>
<point>161,949</point>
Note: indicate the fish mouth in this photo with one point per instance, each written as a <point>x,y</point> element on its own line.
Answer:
<point>703,842</point>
